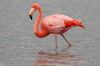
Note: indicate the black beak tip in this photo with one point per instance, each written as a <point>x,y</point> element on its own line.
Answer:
<point>30,17</point>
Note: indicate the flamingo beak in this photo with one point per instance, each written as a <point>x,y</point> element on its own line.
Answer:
<point>31,13</point>
<point>30,17</point>
<point>82,26</point>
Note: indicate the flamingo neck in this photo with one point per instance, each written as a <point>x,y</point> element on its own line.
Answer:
<point>42,33</point>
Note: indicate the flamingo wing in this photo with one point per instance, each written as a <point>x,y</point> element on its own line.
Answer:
<point>55,23</point>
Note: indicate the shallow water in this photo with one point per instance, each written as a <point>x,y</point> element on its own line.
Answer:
<point>20,47</point>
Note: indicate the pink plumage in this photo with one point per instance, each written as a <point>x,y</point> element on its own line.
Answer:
<point>55,23</point>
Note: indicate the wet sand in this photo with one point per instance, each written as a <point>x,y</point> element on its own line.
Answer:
<point>20,47</point>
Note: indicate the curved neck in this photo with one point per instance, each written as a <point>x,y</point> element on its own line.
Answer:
<point>42,33</point>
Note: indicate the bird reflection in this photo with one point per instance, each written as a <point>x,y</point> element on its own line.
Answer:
<point>53,59</point>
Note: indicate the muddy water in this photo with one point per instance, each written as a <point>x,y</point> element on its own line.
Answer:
<point>20,47</point>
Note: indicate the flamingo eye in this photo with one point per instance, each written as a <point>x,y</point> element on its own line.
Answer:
<point>81,22</point>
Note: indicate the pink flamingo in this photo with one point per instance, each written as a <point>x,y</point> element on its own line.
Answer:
<point>53,24</point>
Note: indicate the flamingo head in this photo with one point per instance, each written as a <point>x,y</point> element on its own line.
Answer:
<point>34,7</point>
<point>78,23</point>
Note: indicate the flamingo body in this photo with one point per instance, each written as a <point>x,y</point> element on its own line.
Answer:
<point>55,24</point>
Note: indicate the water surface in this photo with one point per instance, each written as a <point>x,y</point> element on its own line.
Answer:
<point>20,47</point>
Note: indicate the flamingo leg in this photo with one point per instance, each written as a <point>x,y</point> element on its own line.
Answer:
<point>66,40</point>
<point>56,43</point>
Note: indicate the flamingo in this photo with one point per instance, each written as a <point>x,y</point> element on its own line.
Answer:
<point>53,24</point>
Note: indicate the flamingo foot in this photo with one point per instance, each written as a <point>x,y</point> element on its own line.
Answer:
<point>70,45</point>
<point>56,51</point>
